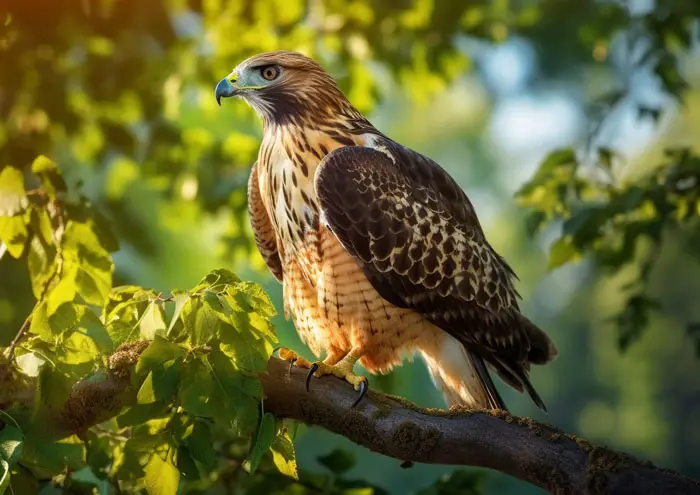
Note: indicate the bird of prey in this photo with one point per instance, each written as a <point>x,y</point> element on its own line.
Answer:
<point>379,251</point>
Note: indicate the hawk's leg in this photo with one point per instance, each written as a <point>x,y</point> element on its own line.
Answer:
<point>342,369</point>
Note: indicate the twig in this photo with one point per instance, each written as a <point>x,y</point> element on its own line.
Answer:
<point>18,338</point>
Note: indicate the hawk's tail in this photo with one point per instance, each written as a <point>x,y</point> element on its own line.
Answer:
<point>461,375</point>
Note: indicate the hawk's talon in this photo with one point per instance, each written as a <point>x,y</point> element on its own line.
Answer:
<point>364,385</point>
<point>343,370</point>
<point>312,370</point>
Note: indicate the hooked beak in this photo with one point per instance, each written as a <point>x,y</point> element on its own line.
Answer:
<point>224,90</point>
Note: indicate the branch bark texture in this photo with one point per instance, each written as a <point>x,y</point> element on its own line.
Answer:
<point>526,449</point>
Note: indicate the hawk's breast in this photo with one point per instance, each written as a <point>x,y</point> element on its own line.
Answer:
<point>326,293</point>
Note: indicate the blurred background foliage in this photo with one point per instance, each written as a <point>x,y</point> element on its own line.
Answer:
<point>120,94</point>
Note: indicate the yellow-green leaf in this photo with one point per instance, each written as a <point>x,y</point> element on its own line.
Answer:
<point>161,475</point>
<point>283,454</point>
<point>562,251</point>
<point>13,231</point>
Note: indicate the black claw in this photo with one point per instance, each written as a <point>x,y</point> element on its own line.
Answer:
<point>291,364</point>
<point>312,370</point>
<point>363,390</point>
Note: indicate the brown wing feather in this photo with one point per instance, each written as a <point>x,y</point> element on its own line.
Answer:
<point>419,242</point>
<point>263,232</point>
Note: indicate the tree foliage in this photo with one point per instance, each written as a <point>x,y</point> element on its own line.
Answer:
<point>120,93</point>
<point>191,414</point>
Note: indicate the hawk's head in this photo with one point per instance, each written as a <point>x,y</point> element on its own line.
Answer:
<point>284,86</point>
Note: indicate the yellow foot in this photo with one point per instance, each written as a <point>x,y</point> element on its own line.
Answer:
<point>293,358</point>
<point>343,369</point>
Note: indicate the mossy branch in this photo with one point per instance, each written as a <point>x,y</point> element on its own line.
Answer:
<point>526,449</point>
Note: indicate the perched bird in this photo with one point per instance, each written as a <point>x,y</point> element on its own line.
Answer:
<point>379,251</point>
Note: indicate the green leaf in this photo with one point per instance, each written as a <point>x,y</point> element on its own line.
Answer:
<point>201,445</point>
<point>157,354</point>
<point>71,317</point>
<point>79,348</point>
<point>51,178</point>
<point>217,277</point>
<point>45,458</point>
<point>219,393</point>
<point>92,263</point>
<point>186,465</point>
<point>152,321</point>
<point>11,439</point>
<point>53,389</point>
<point>198,395</point>
<point>40,323</point>
<point>94,329</point>
<point>248,352</point>
<point>252,297</point>
<point>562,162</point>
<point>263,440</point>
<point>64,292</point>
<point>4,475</point>
<point>138,414</point>
<point>12,196</point>
<point>161,384</point>
<point>222,367</point>
<point>22,481</point>
<point>562,251</point>
<point>283,455</point>
<point>14,234</point>
<point>161,475</point>
<point>339,461</point>
<point>13,201</point>
<point>180,299</point>
<point>201,321</point>
<point>42,252</point>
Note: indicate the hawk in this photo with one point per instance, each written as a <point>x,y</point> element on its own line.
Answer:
<point>379,251</point>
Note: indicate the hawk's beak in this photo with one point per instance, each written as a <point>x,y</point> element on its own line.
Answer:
<point>224,90</point>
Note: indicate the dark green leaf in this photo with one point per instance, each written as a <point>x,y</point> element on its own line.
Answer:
<point>11,439</point>
<point>161,383</point>
<point>339,461</point>
<point>263,440</point>
<point>47,458</point>
<point>186,465</point>
<point>201,445</point>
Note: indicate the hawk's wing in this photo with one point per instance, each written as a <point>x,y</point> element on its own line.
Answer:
<point>263,232</point>
<point>417,238</point>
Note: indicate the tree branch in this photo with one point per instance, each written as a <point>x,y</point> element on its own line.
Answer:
<point>526,449</point>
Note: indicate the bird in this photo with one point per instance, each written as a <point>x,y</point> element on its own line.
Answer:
<point>380,253</point>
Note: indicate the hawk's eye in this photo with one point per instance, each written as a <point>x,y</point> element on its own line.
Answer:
<point>270,72</point>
